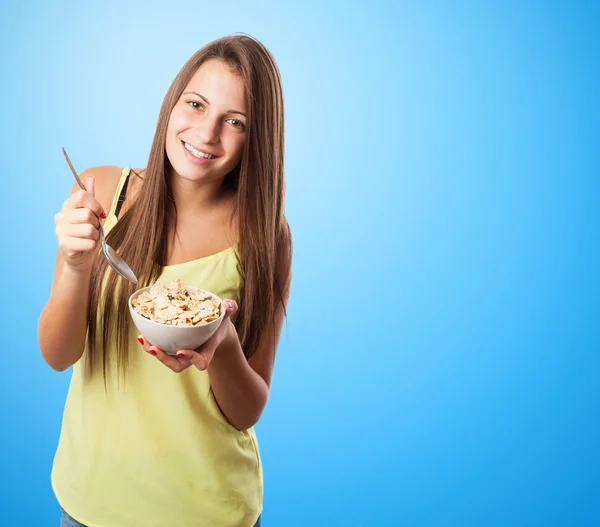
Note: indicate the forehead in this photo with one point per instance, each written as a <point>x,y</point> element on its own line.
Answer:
<point>220,84</point>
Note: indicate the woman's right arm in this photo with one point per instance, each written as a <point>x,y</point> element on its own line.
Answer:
<point>63,323</point>
<point>62,327</point>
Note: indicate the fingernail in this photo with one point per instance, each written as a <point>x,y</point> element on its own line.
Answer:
<point>103,215</point>
<point>152,351</point>
<point>180,355</point>
<point>141,340</point>
<point>230,304</point>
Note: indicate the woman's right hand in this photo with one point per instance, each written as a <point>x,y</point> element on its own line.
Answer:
<point>78,228</point>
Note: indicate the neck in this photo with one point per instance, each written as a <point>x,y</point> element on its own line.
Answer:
<point>192,197</point>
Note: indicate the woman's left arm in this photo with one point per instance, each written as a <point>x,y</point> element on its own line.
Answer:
<point>241,387</point>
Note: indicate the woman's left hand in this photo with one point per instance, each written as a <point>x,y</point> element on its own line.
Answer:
<point>201,356</point>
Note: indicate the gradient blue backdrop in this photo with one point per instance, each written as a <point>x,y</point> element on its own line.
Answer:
<point>441,361</point>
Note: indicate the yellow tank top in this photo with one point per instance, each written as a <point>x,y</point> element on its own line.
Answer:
<point>156,451</point>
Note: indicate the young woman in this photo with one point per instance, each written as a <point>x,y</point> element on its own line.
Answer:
<point>149,439</point>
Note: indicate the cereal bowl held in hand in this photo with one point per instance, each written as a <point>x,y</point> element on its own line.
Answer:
<point>174,316</point>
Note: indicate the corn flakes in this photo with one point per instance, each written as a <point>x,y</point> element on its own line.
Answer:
<point>174,305</point>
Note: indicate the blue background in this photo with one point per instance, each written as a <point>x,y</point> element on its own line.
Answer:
<point>440,364</point>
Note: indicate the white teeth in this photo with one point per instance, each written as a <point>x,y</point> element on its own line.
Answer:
<point>197,153</point>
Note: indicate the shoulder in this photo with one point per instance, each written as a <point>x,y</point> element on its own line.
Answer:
<point>106,180</point>
<point>284,239</point>
<point>104,174</point>
<point>284,255</point>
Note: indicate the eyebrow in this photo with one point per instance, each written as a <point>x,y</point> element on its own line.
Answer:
<point>208,102</point>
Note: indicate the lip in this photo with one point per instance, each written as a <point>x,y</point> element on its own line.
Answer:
<point>200,149</point>
<point>193,158</point>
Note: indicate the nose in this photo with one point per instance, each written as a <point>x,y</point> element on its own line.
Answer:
<point>207,131</point>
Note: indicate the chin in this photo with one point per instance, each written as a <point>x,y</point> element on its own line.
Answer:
<point>197,173</point>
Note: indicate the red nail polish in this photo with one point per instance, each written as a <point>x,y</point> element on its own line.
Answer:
<point>141,340</point>
<point>180,355</point>
<point>103,215</point>
<point>152,351</point>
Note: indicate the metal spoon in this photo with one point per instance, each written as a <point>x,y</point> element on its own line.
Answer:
<point>114,260</point>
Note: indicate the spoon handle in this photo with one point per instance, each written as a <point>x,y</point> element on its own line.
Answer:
<point>81,185</point>
<point>73,169</point>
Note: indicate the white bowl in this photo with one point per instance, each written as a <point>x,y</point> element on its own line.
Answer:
<point>169,338</point>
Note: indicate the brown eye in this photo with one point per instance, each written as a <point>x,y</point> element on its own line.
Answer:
<point>195,104</point>
<point>237,124</point>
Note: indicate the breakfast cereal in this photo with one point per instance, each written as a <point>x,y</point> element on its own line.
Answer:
<point>174,305</point>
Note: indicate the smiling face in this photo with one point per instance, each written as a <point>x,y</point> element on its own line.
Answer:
<point>208,119</point>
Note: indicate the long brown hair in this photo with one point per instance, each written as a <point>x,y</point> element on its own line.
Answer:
<point>141,234</point>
